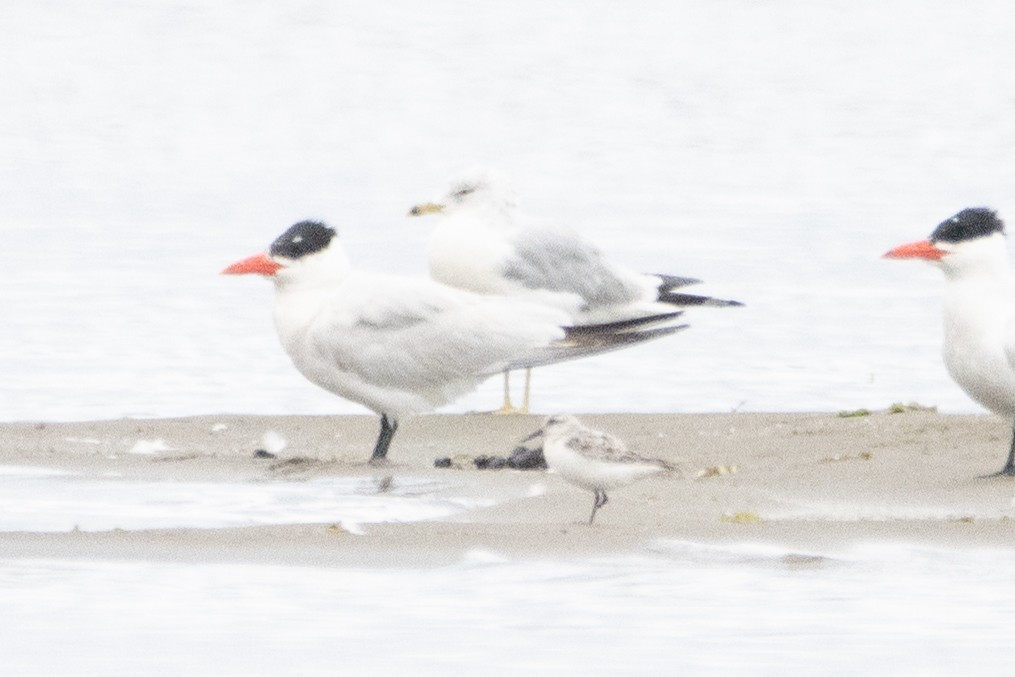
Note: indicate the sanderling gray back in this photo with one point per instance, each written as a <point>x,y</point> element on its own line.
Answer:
<point>592,459</point>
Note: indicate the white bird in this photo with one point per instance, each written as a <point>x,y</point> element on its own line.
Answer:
<point>401,346</point>
<point>978,304</point>
<point>478,246</point>
<point>592,459</point>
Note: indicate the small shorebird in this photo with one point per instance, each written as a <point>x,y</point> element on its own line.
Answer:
<point>401,346</point>
<point>478,245</point>
<point>978,306</point>
<point>592,459</point>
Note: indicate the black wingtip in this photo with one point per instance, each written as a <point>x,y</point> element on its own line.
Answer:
<point>591,340</point>
<point>670,282</point>
<point>687,300</point>
<point>621,326</point>
<point>667,294</point>
<point>613,334</point>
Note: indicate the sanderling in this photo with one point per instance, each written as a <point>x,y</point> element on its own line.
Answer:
<point>592,459</point>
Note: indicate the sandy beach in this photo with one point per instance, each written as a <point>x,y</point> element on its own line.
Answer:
<point>802,481</point>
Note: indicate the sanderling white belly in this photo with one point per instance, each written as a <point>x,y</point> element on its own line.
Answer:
<point>592,459</point>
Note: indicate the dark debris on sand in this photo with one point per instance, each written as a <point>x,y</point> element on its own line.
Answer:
<point>521,458</point>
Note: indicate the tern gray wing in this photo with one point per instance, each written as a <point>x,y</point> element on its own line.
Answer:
<point>427,337</point>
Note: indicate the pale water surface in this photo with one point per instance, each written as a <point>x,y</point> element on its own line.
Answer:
<point>774,149</point>
<point>34,499</point>
<point>670,607</point>
<point>677,608</point>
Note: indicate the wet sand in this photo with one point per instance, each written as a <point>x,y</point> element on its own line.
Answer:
<point>807,482</point>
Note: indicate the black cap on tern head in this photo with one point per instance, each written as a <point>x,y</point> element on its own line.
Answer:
<point>968,224</point>
<point>303,238</point>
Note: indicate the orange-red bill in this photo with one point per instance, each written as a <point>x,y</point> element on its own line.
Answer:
<point>924,249</point>
<point>259,264</point>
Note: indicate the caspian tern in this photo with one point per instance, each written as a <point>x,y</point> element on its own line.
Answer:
<point>592,459</point>
<point>978,304</point>
<point>478,246</point>
<point>401,346</point>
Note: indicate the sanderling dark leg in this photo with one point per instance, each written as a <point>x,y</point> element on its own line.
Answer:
<point>600,501</point>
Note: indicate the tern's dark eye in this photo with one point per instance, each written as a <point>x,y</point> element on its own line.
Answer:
<point>463,191</point>
<point>305,237</point>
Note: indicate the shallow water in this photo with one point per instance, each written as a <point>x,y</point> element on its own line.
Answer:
<point>35,499</point>
<point>774,151</point>
<point>679,607</point>
<point>672,605</point>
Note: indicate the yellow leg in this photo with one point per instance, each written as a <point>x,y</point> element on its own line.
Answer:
<point>507,407</point>
<point>525,398</point>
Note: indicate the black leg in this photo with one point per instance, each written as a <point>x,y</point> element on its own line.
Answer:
<point>1009,467</point>
<point>388,429</point>
<point>599,503</point>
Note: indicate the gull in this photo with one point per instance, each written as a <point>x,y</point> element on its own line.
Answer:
<point>478,246</point>
<point>978,306</point>
<point>592,459</point>
<point>401,346</point>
